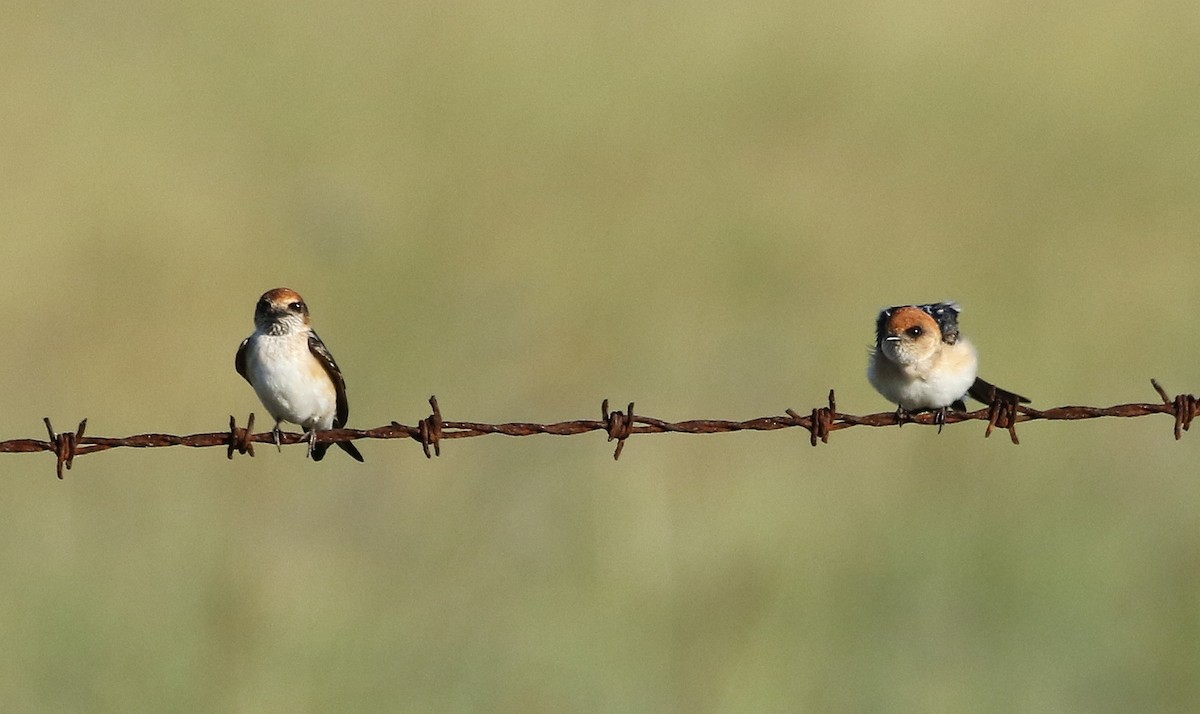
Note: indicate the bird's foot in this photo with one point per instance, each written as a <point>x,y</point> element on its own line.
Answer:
<point>939,418</point>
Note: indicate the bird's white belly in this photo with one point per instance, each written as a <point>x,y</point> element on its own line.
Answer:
<point>933,392</point>
<point>922,387</point>
<point>292,385</point>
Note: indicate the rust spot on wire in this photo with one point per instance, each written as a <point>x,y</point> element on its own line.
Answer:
<point>239,439</point>
<point>619,426</point>
<point>798,420</point>
<point>64,445</point>
<point>430,430</point>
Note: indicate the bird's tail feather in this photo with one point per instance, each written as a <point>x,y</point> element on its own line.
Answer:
<point>319,450</point>
<point>983,391</point>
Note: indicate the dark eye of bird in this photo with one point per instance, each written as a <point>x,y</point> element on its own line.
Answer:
<point>297,306</point>
<point>913,332</point>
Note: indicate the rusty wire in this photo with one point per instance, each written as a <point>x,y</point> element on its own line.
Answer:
<point>433,429</point>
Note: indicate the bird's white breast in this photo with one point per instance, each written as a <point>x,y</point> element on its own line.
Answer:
<point>929,384</point>
<point>289,380</point>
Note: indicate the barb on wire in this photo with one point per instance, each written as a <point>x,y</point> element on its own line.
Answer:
<point>430,431</point>
<point>1183,405</point>
<point>820,423</point>
<point>619,426</point>
<point>239,439</point>
<point>64,445</point>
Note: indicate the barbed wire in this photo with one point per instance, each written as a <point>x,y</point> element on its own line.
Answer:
<point>1002,412</point>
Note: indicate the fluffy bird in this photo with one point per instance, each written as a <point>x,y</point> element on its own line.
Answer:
<point>293,372</point>
<point>921,362</point>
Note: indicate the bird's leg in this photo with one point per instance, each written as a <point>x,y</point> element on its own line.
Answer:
<point>939,418</point>
<point>275,431</point>
<point>311,437</point>
<point>902,415</point>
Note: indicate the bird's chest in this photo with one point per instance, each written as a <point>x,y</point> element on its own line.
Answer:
<point>291,383</point>
<point>937,383</point>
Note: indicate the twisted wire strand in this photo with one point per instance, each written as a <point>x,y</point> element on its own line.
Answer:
<point>619,426</point>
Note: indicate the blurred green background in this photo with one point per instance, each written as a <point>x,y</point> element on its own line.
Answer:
<point>525,207</point>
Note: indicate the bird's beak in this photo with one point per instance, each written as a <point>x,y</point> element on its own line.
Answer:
<point>892,338</point>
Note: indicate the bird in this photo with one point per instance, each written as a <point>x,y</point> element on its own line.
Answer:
<point>921,363</point>
<point>293,372</point>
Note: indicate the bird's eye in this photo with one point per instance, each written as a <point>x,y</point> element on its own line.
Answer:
<point>914,332</point>
<point>296,306</point>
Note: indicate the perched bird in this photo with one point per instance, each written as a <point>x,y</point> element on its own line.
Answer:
<point>920,362</point>
<point>292,371</point>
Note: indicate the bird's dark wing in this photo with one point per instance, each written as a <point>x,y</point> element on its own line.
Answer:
<point>239,362</point>
<point>321,352</point>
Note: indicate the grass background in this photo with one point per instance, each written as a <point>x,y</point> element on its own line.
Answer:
<point>524,207</point>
